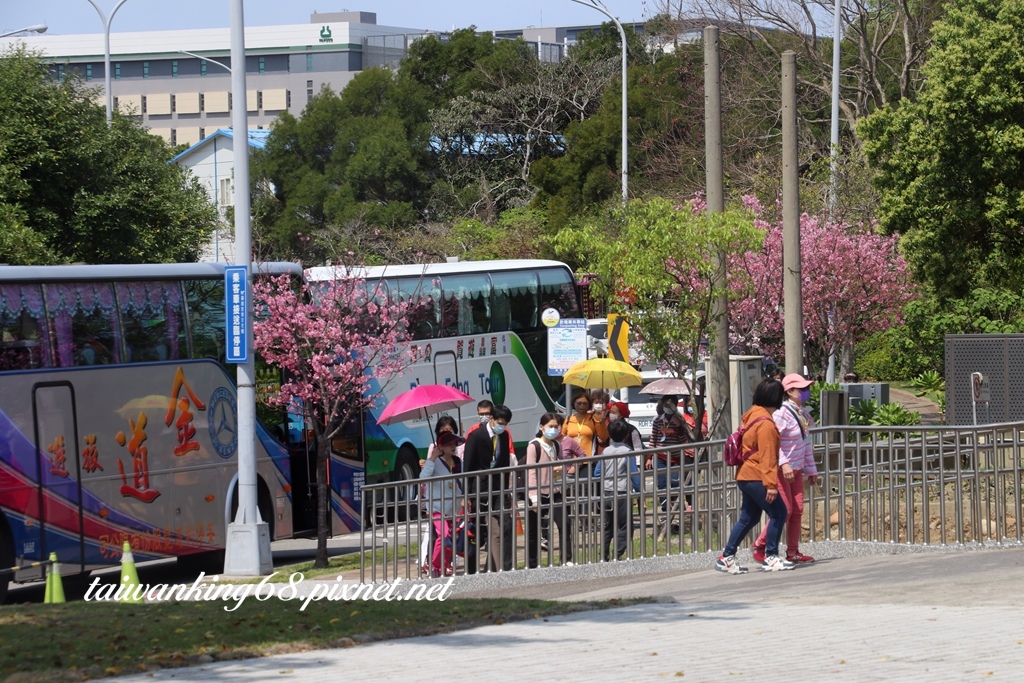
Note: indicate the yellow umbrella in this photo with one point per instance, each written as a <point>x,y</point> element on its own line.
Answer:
<point>602,373</point>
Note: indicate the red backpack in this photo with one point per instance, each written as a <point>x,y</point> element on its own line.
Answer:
<point>733,453</point>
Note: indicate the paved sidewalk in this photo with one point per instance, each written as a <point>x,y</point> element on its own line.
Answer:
<point>951,616</point>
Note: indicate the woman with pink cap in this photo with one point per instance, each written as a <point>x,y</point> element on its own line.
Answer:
<point>796,463</point>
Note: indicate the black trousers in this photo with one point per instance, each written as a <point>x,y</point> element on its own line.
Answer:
<point>548,508</point>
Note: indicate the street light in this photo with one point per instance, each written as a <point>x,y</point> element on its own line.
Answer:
<point>38,28</point>
<point>600,7</point>
<point>106,53</point>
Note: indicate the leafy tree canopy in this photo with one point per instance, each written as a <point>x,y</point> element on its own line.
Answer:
<point>72,189</point>
<point>950,163</point>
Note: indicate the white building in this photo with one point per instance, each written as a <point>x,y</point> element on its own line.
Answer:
<point>212,161</point>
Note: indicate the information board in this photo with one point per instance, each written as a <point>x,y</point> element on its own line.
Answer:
<point>567,345</point>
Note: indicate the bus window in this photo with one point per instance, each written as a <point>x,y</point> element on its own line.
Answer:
<point>558,291</point>
<point>467,304</point>
<point>515,301</point>
<point>23,338</point>
<point>421,294</point>
<point>205,299</point>
<point>152,318</point>
<point>83,320</point>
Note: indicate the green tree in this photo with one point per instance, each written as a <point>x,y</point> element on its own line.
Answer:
<point>354,163</point>
<point>72,189</point>
<point>656,260</point>
<point>950,163</point>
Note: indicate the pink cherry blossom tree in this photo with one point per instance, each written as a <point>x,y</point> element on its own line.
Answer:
<point>855,283</point>
<point>332,341</point>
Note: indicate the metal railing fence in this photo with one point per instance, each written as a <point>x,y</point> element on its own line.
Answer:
<point>912,485</point>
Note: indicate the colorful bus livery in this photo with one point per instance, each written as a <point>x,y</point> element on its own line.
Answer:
<point>118,417</point>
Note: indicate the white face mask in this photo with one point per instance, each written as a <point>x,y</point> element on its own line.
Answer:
<point>612,417</point>
<point>598,406</point>
<point>484,419</point>
<point>499,428</point>
<point>551,432</point>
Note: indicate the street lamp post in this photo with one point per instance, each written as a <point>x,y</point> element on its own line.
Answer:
<point>38,28</point>
<point>106,52</point>
<point>600,7</point>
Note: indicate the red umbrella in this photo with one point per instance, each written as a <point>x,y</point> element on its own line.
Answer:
<point>422,401</point>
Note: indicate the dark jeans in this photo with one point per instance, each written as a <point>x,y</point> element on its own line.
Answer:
<point>754,503</point>
<point>667,477</point>
<point>616,519</point>
<point>496,535</point>
<point>550,508</point>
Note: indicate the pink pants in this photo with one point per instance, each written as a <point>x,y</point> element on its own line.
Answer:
<point>442,530</point>
<point>792,493</point>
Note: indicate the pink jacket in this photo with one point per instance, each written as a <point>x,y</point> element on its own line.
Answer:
<point>795,448</point>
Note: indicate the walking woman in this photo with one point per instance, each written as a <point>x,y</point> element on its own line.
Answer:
<point>757,480</point>
<point>796,463</point>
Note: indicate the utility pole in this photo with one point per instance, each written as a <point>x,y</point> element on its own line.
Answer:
<point>792,296</point>
<point>718,372</point>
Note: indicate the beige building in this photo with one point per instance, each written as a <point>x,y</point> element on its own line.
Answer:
<point>184,98</point>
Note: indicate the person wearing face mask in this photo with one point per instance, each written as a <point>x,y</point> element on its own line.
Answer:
<point>442,497</point>
<point>489,448</point>
<point>588,428</point>
<point>668,429</point>
<point>796,463</point>
<point>617,410</point>
<point>545,493</point>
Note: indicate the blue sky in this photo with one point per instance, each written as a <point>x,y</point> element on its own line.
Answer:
<point>78,16</point>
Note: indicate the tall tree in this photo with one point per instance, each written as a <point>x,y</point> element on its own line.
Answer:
<point>73,189</point>
<point>951,163</point>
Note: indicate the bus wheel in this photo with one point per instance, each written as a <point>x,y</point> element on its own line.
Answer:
<point>406,498</point>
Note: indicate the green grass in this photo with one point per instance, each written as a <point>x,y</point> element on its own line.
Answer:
<point>86,640</point>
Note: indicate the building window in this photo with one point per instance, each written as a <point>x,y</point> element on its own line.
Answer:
<point>173,104</point>
<point>174,137</point>
<point>174,68</point>
<point>143,104</point>
<point>202,133</point>
<point>309,91</point>
<point>263,65</point>
<point>60,72</point>
<point>88,72</point>
<point>259,100</point>
<point>202,102</point>
<point>309,61</point>
<point>145,69</point>
<point>231,101</point>
<point>117,70</point>
<point>202,67</point>
<point>288,99</point>
<point>225,191</point>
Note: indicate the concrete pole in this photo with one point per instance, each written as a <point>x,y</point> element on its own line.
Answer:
<point>833,180</point>
<point>718,372</point>
<point>106,54</point>
<point>791,293</point>
<point>248,542</point>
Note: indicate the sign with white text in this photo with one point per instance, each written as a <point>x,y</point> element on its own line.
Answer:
<point>236,325</point>
<point>567,345</point>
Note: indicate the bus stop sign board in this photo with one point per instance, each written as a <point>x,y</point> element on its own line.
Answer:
<point>567,345</point>
<point>236,325</point>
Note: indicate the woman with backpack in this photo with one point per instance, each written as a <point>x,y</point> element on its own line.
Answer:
<point>796,462</point>
<point>757,480</point>
<point>544,492</point>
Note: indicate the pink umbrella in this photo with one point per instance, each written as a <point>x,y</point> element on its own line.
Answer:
<point>422,401</point>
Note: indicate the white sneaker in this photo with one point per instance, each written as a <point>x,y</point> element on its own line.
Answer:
<point>568,564</point>
<point>729,565</point>
<point>774,563</point>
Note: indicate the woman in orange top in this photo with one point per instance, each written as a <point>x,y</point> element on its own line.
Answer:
<point>757,479</point>
<point>584,426</point>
